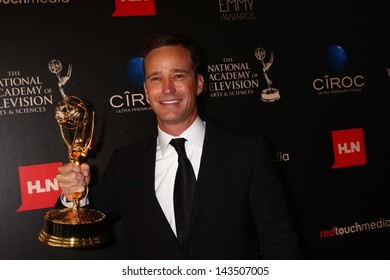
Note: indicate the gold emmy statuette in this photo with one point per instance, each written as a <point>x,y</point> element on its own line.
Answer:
<point>74,227</point>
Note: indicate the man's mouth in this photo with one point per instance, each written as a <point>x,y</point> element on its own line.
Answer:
<point>167,102</point>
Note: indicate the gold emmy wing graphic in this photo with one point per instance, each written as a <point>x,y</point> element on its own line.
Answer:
<point>73,227</point>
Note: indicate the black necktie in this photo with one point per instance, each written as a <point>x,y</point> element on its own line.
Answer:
<point>185,183</point>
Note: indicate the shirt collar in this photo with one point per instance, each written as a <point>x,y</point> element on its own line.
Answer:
<point>194,135</point>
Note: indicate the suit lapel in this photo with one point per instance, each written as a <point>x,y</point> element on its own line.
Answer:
<point>210,156</point>
<point>148,172</point>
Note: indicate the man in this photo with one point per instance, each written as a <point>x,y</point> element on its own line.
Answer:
<point>237,194</point>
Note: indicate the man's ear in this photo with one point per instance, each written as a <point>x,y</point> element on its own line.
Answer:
<point>200,84</point>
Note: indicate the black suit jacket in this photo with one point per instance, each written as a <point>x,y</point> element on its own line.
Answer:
<point>238,197</point>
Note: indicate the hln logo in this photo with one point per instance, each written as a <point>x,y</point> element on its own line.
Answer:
<point>41,186</point>
<point>38,186</point>
<point>348,148</point>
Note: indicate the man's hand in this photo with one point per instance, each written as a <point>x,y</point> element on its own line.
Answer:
<point>73,179</point>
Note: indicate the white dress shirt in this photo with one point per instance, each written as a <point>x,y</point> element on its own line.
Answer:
<point>166,164</point>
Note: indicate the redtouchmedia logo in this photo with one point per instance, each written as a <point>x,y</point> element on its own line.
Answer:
<point>348,148</point>
<point>38,186</point>
<point>357,227</point>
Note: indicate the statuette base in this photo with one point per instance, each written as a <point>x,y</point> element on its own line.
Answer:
<point>68,228</point>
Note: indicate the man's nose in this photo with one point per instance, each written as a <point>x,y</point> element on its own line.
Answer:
<point>168,86</point>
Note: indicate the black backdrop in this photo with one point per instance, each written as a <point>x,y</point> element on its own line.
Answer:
<point>341,212</point>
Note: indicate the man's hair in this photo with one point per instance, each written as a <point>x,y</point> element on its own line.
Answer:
<point>160,40</point>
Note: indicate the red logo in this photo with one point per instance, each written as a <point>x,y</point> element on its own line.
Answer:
<point>125,8</point>
<point>348,148</point>
<point>38,186</point>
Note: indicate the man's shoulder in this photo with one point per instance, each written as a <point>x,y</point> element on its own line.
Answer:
<point>216,129</point>
<point>138,145</point>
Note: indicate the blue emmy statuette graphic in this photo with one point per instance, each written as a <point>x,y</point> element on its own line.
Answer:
<point>336,58</point>
<point>134,72</point>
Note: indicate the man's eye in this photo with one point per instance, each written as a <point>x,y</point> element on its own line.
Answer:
<point>179,76</point>
<point>154,78</point>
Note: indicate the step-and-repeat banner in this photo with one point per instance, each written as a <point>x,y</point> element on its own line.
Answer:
<point>314,79</point>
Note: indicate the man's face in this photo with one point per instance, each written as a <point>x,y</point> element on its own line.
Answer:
<point>171,87</point>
